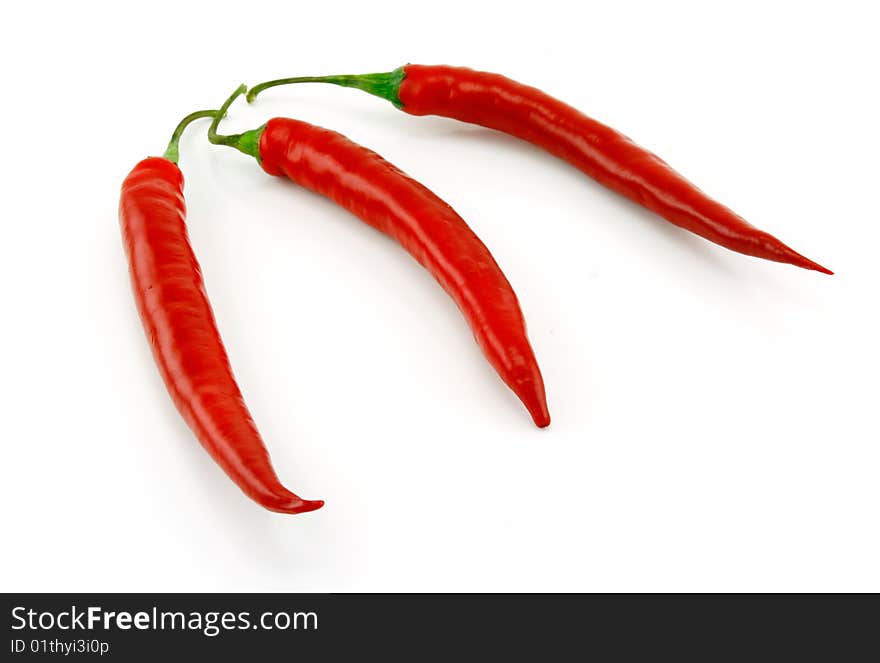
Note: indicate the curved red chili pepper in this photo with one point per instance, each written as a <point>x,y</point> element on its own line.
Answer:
<point>609,157</point>
<point>381,195</point>
<point>180,327</point>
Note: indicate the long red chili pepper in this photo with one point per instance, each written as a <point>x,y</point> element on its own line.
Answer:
<point>430,230</point>
<point>180,327</point>
<point>604,154</point>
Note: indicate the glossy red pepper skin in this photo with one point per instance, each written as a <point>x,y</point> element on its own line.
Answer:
<point>609,157</point>
<point>378,193</point>
<point>180,327</point>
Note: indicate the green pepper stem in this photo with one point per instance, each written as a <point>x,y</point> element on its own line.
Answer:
<point>385,85</point>
<point>247,142</point>
<point>172,153</point>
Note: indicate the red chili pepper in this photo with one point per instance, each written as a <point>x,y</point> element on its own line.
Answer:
<point>377,192</point>
<point>604,154</point>
<point>180,327</point>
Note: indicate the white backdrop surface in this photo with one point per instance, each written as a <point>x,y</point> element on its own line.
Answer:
<point>714,416</point>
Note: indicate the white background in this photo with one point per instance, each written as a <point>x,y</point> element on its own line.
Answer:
<point>714,416</point>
